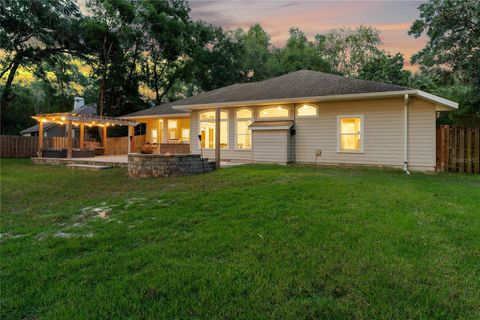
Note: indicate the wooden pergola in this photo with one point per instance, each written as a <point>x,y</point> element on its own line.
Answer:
<point>82,120</point>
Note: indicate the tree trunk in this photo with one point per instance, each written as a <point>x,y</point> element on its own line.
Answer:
<point>7,90</point>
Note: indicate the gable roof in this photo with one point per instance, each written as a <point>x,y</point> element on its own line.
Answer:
<point>89,109</point>
<point>298,86</point>
<point>303,83</point>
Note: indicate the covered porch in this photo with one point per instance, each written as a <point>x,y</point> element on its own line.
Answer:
<point>84,149</point>
<point>166,134</point>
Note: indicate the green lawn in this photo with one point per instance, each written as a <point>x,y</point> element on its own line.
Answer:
<point>251,242</point>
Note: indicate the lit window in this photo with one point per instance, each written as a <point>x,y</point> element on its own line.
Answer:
<point>207,129</point>
<point>244,134</point>
<point>210,115</point>
<point>172,130</point>
<point>185,135</point>
<point>350,133</point>
<point>274,112</point>
<point>307,110</point>
<point>154,136</point>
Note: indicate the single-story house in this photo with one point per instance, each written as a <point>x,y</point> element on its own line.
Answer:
<point>304,117</point>
<point>58,130</point>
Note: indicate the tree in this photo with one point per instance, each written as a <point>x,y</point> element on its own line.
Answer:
<point>32,32</point>
<point>385,67</point>
<point>256,44</point>
<point>220,63</point>
<point>298,53</point>
<point>173,42</point>
<point>453,28</point>
<point>112,39</point>
<point>348,50</point>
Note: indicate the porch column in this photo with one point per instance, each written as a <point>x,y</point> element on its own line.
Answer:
<point>165,131</point>
<point>82,136</point>
<point>69,139</point>
<point>40,139</point>
<point>131,139</point>
<point>217,138</point>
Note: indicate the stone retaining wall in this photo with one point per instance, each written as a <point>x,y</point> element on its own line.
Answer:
<point>159,165</point>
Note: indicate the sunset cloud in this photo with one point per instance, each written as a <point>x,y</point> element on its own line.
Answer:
<point>392,18</point>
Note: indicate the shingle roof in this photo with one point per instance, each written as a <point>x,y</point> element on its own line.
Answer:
<point>302,83</point>
<point>90,109</point>
<point>163,109</point>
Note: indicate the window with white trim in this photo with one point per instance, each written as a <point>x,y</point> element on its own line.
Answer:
<point>307,110</point>
<point>172,129</point>
<point>207,129</point>
<point>350,134</point>
<point>185,135</point>
<point>154,135</point>
<point>244,118</point>
<point>274,112</point>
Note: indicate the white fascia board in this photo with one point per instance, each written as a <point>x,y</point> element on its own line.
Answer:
<point>437,100</point>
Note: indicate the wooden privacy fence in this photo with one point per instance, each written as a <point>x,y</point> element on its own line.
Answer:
<point>458,149</point>
<point>18,146</point>
<point>26,147</point>
<point>119,145</point>
<point>59,142</point>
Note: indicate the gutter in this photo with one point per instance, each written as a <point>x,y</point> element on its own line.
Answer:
<point>405,133</point>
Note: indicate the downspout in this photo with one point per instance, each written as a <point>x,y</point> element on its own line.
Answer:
<point>405,134</point>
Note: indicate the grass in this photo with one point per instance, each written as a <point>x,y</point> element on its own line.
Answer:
<point>251,242</point>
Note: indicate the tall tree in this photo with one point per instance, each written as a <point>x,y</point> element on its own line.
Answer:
<point>298,53</point>
<point>220,64</point>
<point>112,39</point>
<point>256,44</point>
<point>173,42</point>
<point>348,50</point>
<point>32,32</point>
<point>385,67</point>
<point>453,28</point>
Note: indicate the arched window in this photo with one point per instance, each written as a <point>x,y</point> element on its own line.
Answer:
<point>207,129</point>
<point>274,112</point>
<point>244,118</point>
<point>307,110</point>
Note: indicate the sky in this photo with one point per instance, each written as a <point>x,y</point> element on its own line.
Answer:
<point>392,18</point>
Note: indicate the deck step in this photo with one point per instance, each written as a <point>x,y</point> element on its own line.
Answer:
<point>90,167</point>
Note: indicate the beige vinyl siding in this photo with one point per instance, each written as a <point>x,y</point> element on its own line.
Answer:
<point>270,146</point>
<point>383,133</point>
<point>421,135</point>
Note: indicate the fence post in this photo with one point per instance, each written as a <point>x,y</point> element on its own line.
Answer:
<point>469,150</point>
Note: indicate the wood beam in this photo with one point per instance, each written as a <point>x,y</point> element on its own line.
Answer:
<point>82,136</point>
<point>40,139</point>
<point>69,139</point>
<point>131,139</point>
<point>217,138</point>
<point>104,140</point>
